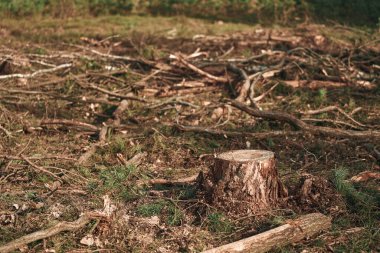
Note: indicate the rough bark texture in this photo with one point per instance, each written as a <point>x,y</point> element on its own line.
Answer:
<point>295,230</point>
<point>244,182</point>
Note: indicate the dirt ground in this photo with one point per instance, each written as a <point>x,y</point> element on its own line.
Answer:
<point>93,110</point>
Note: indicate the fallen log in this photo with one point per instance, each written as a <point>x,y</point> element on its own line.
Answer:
<point>293,231</point>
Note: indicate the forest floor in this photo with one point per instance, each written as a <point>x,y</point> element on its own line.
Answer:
<point>92,110</point>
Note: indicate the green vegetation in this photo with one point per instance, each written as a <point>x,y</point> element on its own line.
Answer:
<point>117,180</point>
<point>218,223</point>
<point>263,11</point>
<point>164,208</point>
<point>151,209</point>
<point>363,202</point>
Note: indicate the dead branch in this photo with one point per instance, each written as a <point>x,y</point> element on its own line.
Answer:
<point>119,111</point>
<point>335,122</point>
<point>11,157</point>
<point>38,72</point>
<point>299,124</point>
<point>69,123</point>
<point>245,88</point>
<point>333,108</point>
<point>365,176</point>
<point>293,231</point>
<point>177,182</point>
<point>113,94</point>
<point>123,105</point>
<point>40,169</point>
<point>258,98</point>
<point>101,141</point>
<point>110,56</point>
<point>199,71</point>
<point>197,129</point>
<point>316,84</point>
<point>7,133</point>
<point>45,233</point>
<point>134,161</point>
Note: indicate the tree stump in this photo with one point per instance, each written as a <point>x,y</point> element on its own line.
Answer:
<point>243,182</point>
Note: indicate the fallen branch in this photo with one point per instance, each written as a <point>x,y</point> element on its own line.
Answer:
<point>134,161</point>
<point>42,234</point>
<point>7,133</point>
<point>246,87</point>
<point>101,141</point>
<point>69,123</point>
<point>40,169</point>
<point>199,71</point>
<point>119,111</point>
<point>123,105</point>
<point>365,176</point>
<point>331,121</point>
<point>294,231</point>
<point>299,124</point>
<point>207,130</point>
<point>177,182</point>
<point>263,95</point>
<point>333,108</point>
<point>317,84</point>
<point>12,157</point>
<point>113,94</point>
<point>38,72</point>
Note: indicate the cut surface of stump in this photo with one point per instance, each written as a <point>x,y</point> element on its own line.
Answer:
<point>243,182</point>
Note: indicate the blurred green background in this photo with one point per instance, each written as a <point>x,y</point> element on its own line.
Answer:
<point>351,12</point>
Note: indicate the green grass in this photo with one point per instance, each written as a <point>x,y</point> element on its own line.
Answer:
<point>151,209</point>
<point>363,204</point>
<point>167,210</point>
<point>71,30</point>
<point>119,181</point>
<point>218,223</point>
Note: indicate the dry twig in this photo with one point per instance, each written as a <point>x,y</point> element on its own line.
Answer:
<point>299,124</point>
<point>38,72</point>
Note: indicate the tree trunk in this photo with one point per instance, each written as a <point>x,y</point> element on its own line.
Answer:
<point>243,182</point>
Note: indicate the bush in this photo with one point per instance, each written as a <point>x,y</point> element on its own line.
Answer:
<point>64,8</point>
<point>356,12</point>
<point>22,7</point>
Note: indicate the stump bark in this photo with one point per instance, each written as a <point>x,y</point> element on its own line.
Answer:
<point>243,182</point>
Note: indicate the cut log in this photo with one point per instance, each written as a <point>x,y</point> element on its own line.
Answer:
<point>294,231</point>
<point>243,182</point>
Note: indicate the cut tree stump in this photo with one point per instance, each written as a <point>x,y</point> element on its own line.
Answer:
<point>293,231</point>
<point>243,182</point>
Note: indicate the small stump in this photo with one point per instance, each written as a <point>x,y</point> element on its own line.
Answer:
<point>243,182</point>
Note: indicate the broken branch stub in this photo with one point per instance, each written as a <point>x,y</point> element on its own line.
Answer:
<point>243,182</point>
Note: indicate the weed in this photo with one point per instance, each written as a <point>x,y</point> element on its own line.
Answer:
<point>117,179</point>
<point>188,193</point>
<point>151,209</point>
<point>165,208</point>
<point>116,176</point>
<point>321,97</point>
<point>175,215</point>
<point>359,202</point>
<point>118,145</point>
<point>218,223</point>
